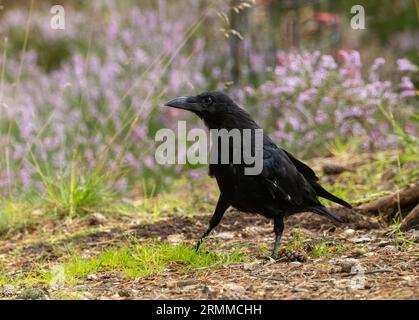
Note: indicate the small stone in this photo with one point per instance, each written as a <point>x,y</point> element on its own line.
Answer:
<point>360,239</point>
<point>295,263</point>
<point>91,277</point>
<point>269,289</point>
<point>358,252</point>
<point>88,296</point>
<point>390,249</point>
<point>180,283</point>
<point>97,219</point>
<point>225,235</point>
<point>208,290</point>
<point>349,232</point>
<point>33,294</point>
<point>126,293</point>
<point>347,264</point>
<point>37,212</point>
<point>234,287</point>
<point>9,290</point>
<point>408,278</point>
<point>249,266</point>
<point>383,243</point>
<point>175,238</point>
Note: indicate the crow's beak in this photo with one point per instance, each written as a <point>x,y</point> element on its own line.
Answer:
<point>185,103</point>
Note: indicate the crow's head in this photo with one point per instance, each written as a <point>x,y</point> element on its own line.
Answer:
<point>207,104</point>
<point>216,108</point>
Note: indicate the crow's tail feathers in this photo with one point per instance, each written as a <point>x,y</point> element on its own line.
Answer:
<point>321,192</point>
<point>320,210</point>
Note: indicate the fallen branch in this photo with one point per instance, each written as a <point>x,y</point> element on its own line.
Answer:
<point>404,197</point>
<point>332,169</point>
<point>369,272</point>
<point>411,221</point>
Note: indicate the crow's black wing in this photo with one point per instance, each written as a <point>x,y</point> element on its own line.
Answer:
<point>311,177</point>
<point>281,177</point>
<point>304,169</point>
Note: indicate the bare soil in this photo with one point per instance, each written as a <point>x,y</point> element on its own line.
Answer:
<point>369,267</point>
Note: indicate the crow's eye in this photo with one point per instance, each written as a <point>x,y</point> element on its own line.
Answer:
<point>208,100</point>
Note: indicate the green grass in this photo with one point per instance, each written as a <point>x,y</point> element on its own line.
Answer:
<point>15,215</point>
<point>139,260</point>
<point>73,195</point>
<point>67,197</point>
<point>74,191</point>
<point>132,261</point>
<point>376,179</point>
<point>382,176</point>
<point>401,241</point>
<point>317,249</point>
<point>326,249</point>
<point>297,241</point>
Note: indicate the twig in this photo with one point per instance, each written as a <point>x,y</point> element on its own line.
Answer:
<point>370,272</point>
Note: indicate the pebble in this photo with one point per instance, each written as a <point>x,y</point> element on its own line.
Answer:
<point>37,213</point>
<point>225,235</point>
<point>9,290</point>
<point>175,238</point>
<point>97,219</point>
<point>347,264</point>
<point>250,266</point>
<point>408,278</point>
<point>234,287</point>
<point>126,293</point>
<point>208,290</point>
<point>349,232</point>
<point>88,296</point>
<point>360,239</point>
<point>390,249</point>
<point>383,243</point>
<point>269,289</point>
<point>357,252</point>
<point>180,283</point>
<point>295,263</point>
<point>92,277</point>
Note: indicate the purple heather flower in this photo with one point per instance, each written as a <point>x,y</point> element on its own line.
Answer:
<point>321,117</point>
<point>195,174</point>
<point>404,65</point>
<point>328,100</point>
<point>406,84</point>
<point>149,162</point>
<point>294,122</point>
<point>86,102</point>
<point>408,93</point>
<point>328,62</point>
<point>378,63</point>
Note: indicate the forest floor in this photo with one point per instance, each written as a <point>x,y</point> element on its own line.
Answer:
<point>141,254</point>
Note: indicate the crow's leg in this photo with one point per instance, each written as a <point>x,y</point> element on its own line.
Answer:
<point>278,229</point>
<point>221,207</point>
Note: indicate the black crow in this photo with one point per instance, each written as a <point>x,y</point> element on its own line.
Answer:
<point>285,185</point>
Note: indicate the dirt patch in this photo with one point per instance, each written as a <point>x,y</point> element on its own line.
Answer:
<point>370,266</point>
<point>236,224</point>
